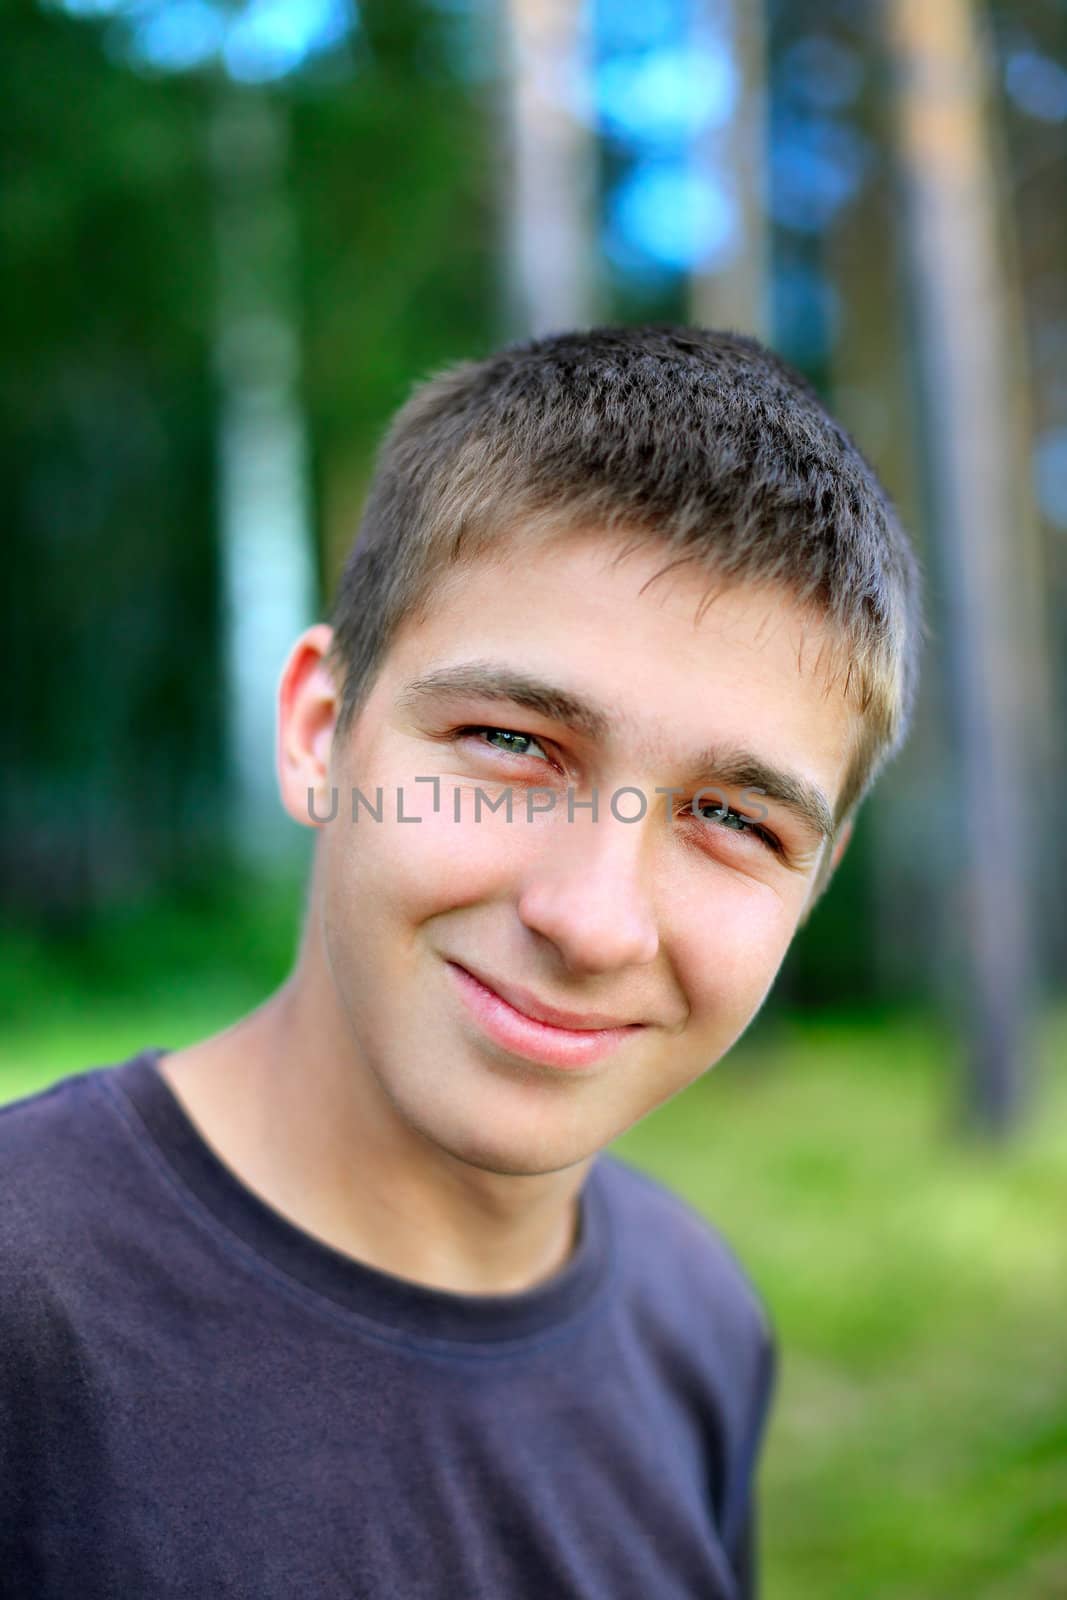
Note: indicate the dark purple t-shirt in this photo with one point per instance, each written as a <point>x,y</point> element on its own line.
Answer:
<point>199,1399</point>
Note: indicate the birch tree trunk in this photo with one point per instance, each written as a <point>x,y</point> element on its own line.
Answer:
<point>983,543</point>
<point>549,200</point>
<point>267,565</point>
<point>734,293</point>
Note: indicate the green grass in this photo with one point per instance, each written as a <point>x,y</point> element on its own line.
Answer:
<point>152,974</point>
<point>918,1281</point>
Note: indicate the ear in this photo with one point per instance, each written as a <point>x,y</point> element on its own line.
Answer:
<point>840,846</point>
<point>827,870</point>
<point>308,707</point>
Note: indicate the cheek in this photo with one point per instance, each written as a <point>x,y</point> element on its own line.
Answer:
<point>727,945</point>
<point>414,869</point>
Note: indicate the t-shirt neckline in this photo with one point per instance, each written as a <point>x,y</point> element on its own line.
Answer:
<point>399,1305</point>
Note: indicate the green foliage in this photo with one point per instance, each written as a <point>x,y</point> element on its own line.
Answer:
<point>165,971</point>
<point>394,177</point>
<point>111,636</point>
<point>108,627</point>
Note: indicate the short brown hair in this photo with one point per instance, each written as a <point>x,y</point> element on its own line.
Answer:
<point>701,441</point>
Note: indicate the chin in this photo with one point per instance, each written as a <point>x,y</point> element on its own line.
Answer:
<point>513,1153</point>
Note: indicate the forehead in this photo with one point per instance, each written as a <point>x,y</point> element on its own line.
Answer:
<point>646,657</point>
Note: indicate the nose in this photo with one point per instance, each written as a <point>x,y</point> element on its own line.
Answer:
<point>588,893</point>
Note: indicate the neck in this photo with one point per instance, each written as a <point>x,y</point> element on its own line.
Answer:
<point>285,1100</point>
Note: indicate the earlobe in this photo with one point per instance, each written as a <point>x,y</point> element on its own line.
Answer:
<point>308,706</point>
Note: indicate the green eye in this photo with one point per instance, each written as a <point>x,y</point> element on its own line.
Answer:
<point>727,817</point>
<point>513,740</point>
<point>504,733</point>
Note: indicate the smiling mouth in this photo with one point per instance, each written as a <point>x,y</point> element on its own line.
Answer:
<point>530,1038</point>
<point>528,1005</point>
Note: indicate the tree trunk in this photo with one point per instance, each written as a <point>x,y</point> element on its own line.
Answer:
<point>981,539</point>
<point>267,564</point>
<point>734,291</point>
<point>549,204</point>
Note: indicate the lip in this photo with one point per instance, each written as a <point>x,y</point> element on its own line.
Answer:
<point>523,1001</point>
<point>535,1038</point>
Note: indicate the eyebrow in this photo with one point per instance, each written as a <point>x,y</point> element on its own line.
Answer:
<point>490,681</point>
<point>730,765</point>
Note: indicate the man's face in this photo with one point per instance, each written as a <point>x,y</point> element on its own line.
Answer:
<point>673,924</point>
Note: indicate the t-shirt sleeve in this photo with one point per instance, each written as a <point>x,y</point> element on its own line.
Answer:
<point>745,1563</point>
<point>42,1361</point>
<point>24,1342</point>
<point>745,1546</point>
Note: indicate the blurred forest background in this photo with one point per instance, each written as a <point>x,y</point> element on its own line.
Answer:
<point>233,234</point>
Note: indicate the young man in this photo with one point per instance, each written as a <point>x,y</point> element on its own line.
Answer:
<point>345,1301</point>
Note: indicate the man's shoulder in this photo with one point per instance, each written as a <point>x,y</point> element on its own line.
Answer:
<point>678,1255</point>
<point>42,1127</point>
<point>698,1319</point>
<point>60,1148</point>
<point>49,1121</point>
